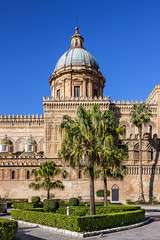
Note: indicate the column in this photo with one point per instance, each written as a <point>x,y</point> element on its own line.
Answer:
<point>84,88</point>
<point>90,90</point>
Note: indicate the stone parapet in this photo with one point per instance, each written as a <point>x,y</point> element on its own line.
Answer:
<point>50,103</point>
<point>22,119</point>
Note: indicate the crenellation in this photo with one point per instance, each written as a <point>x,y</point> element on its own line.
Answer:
<point>20,119</point>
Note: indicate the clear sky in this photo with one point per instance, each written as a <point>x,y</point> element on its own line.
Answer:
<point>122,35</point>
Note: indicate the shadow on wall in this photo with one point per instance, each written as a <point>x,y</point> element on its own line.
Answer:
<point>155,142</point>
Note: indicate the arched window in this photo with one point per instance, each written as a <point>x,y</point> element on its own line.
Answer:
<point>28,174</point>
<point>150,154</point>
<point>123,134</point>
<point>13,174</point>
<point>76,91</point>
<point>76,43</point>
<point>136,152</point>
<point>150,131</point>
<point>115,193</point>
<point>80,174</point>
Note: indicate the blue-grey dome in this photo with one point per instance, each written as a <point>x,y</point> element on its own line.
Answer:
<point>76,57</point>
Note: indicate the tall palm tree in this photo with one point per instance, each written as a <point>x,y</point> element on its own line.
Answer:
<point>112,150</point>
<point>44,178</point>
<point>80,146</point>
<point>140,115</point>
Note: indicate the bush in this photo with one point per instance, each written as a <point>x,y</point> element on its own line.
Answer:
<point>27,206</point>
<point>50,205</point>
<point>8,229</point>
<point>73,201</point>
<point>85,210</point>
<point>36,199</point>
<point>80,224</point>
<point>100,193</point>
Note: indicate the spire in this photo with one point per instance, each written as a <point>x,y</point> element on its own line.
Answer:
<point>77,40</point>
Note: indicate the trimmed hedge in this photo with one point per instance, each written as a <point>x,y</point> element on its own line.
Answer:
<point>50,205</point>
<point>100,193</point>
<point>73,201</point>
<point>8,229</point>
<point>80,224</point>
<point>27,206</point>
<point>36,199</point>
<point>85,210</point>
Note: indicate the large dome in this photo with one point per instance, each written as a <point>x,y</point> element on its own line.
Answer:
<point>76,57</point>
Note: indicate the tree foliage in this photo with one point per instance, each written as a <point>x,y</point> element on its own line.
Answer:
<point>80,145</point>
<point>44,177</point>
<point>140,115</point>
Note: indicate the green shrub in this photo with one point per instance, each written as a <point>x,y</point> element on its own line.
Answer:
<point>100,193</point>
<point>36,199</point>
<point>73,201</point>
<point>85,210</point>
<point>80,224</point>
<point>27,206</point>
<point>50,205</point>
<point>8,229</point>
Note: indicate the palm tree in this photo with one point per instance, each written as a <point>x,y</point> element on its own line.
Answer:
<point>44,178</point>
<point>112,150</point>
<point>140,115</point>
<point>80,146</point>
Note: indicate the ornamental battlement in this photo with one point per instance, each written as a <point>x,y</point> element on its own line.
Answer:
<point>73,103</point>
<point>67,99</point>
<point>127,102</point>
<point>127,107</point>
<point>22,119</point>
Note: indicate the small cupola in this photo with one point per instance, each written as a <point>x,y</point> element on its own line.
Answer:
<point>77,40</point>
<point>30,145</point>
<point>6,145</point>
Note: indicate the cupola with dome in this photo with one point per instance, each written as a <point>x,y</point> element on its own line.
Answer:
<point>76,73</point>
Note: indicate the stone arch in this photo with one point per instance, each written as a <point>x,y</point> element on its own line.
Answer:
<point>13,144</point>
<point>20,144</point>
<point>124,122</point>
<point>40,145</point>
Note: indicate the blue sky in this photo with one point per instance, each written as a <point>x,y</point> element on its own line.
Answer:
<point>122,35</point>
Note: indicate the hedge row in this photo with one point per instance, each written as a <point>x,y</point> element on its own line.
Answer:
<point>27,206</point>
<point>85,210</point>
<point>80,224</point>
<point>81,204</point>
<point>8,229</point>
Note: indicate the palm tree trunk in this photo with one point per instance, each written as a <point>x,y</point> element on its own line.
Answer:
<point>92,201</point>
<point>48,193</point>
<point>140,165</point>
<point>105,191</point>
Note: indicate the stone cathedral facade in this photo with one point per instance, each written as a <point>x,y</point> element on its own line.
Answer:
<point>29,140</point>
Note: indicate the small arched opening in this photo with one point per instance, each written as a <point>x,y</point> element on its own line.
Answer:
<point>13,174</point>
<point>28,174</point>
<point>80,174</point>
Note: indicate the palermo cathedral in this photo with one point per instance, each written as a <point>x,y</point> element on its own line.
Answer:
<point>29,140</point>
